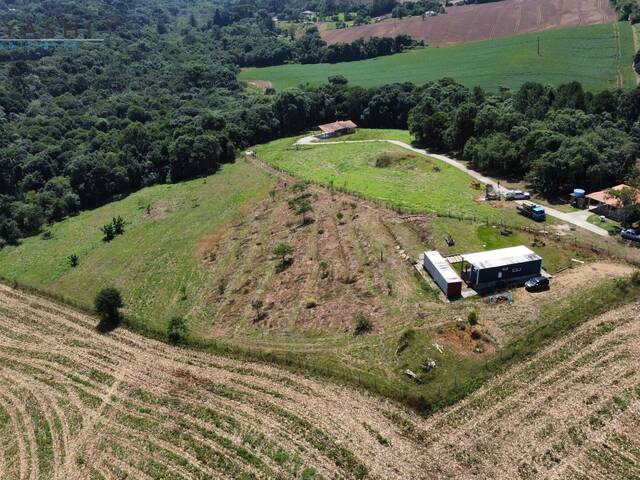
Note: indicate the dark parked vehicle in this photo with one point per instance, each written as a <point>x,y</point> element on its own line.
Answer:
<point>537,284</point>
<point>630,234</point>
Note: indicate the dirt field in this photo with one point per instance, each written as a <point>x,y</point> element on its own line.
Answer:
<point>570,412</point>
<point>75,404</point>
<point>485,21</point>
<point>343,260</point>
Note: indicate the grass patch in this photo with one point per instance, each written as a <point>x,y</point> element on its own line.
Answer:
<point>373,134</point>
<point>156,264</point>
<point>593,55</point>
<point>609,225</point>
<point>409,181</point>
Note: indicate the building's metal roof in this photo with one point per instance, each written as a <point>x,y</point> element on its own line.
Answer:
<point>444,267</point>
<point>501,257</point>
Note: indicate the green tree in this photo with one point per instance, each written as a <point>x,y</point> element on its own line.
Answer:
<point>302,208</point>
<point>107,303</point>
<point>118,225</point>
<point>108,232</point>
<point>177,329</point>
<point>73,260</point>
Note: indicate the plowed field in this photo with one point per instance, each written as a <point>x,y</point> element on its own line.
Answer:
<point>470,23</point>
<point>75,404</point>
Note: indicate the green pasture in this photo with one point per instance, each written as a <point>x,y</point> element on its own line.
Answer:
<point>156,263</point>
<point>598,56</point>
<point>413,182</point>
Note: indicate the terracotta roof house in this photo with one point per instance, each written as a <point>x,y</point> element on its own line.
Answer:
<point>341,127</point>
<point>607,204</point>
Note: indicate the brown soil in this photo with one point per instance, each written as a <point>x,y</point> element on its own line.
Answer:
<point>466,342</point>
<point>158,210</point>
<point>119,405</point>
<point>344,264</point>
<point>469,23</point>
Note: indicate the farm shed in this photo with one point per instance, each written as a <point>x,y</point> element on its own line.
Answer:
<point>443,274</point>
<point>496,268</point>
<point>336,129</point>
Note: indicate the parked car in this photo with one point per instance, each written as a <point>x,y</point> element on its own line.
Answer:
<point>537,284</point>
<point>517,195</point>
<point>630,234</point>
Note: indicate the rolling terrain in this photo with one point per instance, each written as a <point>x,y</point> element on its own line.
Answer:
<point>350,263</point>
<point>158,262</point>
<point>76,404</point>
<point>598,56</point>
<point>484,21</point>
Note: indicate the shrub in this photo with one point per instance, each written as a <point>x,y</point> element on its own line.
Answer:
<point>282,250</point>
<point>635,277</point>
<point>311,303</point>
<point>408,335</point>
<point>622,285</point>
<point>363,325</point>
<point>383,160</point>
<point>73,260</point>
<point>473,318</point>
<point>107,302</point>
<point>47,235</point>
<point>177,329</point>
<point>108,233</point>
<point>118,225</point>
<point>115,227</point>
<point>299,187</point>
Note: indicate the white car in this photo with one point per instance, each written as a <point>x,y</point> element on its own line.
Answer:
<point>517,195</point>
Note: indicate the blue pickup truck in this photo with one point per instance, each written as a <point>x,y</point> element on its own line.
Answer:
<point>533,211</point>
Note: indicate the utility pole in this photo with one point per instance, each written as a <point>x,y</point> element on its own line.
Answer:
<point>538,46</point>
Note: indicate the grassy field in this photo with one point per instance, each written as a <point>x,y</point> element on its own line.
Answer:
<point>607,224</point>
<point>156,263</point>
<point>411,181</point>
<point>471,237</point>
<point>598,56</point>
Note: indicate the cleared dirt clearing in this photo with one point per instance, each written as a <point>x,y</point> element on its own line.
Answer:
<point>470,23</point>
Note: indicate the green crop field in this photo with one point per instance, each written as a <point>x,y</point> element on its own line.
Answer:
<point>598,56</point>
<point>412,182</point>
<point>155,263</point>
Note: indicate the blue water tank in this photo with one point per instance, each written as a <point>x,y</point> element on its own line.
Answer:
<point>578,192</point>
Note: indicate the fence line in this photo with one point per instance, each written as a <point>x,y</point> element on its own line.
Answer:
<point>605,247</point>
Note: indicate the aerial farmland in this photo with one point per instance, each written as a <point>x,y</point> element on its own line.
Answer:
<point>320,240</point>
<point>485,21</point>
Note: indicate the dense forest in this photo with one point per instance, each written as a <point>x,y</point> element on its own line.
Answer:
<point>159,101</point>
